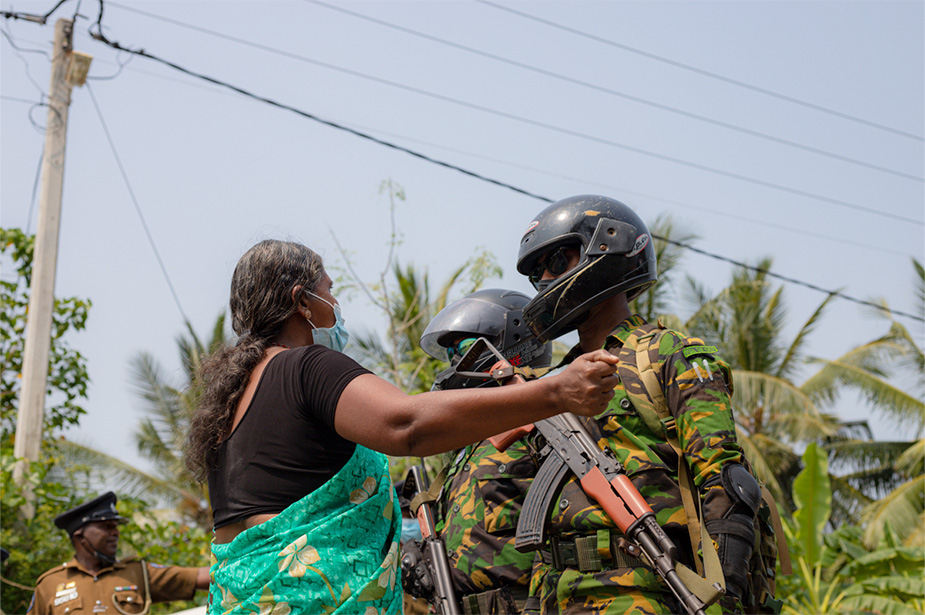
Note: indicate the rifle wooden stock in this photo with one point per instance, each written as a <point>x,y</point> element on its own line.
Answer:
<point>569,448</point>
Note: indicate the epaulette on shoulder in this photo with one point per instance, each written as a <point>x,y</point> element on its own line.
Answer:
<point>50,571</point>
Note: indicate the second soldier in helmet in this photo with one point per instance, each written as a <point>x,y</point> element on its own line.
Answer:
<point>483,489</point>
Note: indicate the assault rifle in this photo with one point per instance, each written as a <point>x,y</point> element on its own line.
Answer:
<point>570,448</point>
<point>427,569</point>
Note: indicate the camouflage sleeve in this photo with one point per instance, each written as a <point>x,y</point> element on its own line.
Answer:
<point>697,391</point>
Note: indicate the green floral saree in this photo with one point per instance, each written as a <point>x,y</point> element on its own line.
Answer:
<point>333,551</point>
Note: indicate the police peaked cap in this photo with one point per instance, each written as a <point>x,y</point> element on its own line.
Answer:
<point>102,508</point>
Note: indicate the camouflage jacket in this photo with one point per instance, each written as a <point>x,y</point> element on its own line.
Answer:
<point>477,516</point>
<point>706,432</point>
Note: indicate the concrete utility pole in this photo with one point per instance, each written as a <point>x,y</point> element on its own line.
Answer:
<point>67,69</point>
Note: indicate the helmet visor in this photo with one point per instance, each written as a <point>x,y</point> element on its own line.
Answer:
<point>464,318</point>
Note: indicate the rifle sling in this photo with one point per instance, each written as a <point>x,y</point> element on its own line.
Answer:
<point>783,553</point>
<point>433,492</point>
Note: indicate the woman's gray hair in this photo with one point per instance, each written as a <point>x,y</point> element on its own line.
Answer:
<point>261,287</point>
<point>261,303</point>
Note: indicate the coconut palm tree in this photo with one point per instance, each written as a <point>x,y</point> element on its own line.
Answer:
<point>746,321</point>
<point>408,310</point>
<point>886,481</point>
<point>161,434</point>
<point>655,303</point>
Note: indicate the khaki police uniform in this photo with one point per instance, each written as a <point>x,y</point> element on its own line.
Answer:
<point>115,590</point>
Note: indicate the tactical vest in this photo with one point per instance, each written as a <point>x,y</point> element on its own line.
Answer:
<point>637,358</point>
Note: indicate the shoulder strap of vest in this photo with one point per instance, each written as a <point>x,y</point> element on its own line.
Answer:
<point>641,382</point>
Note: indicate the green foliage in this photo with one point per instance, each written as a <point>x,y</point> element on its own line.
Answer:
<point>68,377</point>
<point>835,572</point>
<point>812,494</point>
<point>35,544</point>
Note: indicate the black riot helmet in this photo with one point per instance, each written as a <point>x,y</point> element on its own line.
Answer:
<point>616,256</point>
<point>496,315</point>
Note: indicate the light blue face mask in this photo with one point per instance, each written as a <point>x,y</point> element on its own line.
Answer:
<point>410,530</point>
<point>334,337</point>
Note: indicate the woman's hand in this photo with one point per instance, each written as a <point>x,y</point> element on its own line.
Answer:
<point>586,386</point>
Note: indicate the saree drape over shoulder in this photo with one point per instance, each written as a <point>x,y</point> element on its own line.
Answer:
<point>333,551</point>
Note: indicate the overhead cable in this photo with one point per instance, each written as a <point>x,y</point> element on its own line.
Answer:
<point>99,36</point>
<point>706,73</point>
<point>406,138</point>
<point>102,38</point>
<point>685,205</point>
<point>753,180</point>
<point>40,19</point>
<point>630,97</point>
<point>141,217</point>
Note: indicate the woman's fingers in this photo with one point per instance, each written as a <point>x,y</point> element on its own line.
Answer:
<point>589,382</point>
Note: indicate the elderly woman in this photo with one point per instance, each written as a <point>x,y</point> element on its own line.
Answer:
<point>291,433</point>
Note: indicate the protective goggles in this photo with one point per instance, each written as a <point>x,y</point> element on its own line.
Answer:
<point>460,348</point>
<point>556,263</point>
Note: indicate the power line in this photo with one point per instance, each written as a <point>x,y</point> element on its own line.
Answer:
<point>99,36</point>
<point>725,214</point>
<point>703,72</point>
<point>545,199</point>
<point>19,100</point>
<point>745,178</point>
<point>19,53</point>
<point>35,189</point>
<point>39,19</point>
<point>630,97</point>
<point>141,216</point>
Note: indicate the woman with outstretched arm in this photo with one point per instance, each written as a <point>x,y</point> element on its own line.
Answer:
<point>290,434</point>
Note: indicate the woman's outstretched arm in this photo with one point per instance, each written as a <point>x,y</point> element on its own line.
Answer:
<point>378,415</point>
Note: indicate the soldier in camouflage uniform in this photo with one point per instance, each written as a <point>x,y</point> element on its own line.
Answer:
<point>484,489</point>
<point>588,256</point>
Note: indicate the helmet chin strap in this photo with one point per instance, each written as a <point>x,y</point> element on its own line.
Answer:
<point>106,560</point>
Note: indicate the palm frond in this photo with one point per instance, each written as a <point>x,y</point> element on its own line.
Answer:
<point>847,502</point>
<point>861,455</point>
<point>766,403</point>
<point>901,509</point>
<point>912,461</point>
<point>115,473</point>
<point>787,364</point>
<point>894,403</point>
<point>872,357</point>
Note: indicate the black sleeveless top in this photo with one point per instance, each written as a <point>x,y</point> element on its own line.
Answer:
<point>285,447</point>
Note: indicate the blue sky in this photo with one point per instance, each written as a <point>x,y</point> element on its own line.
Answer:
<point>792,130</point>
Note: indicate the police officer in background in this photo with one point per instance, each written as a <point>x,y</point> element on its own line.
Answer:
<point>588,256</point>
<point>96,582</point>
<point>484,488</point>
